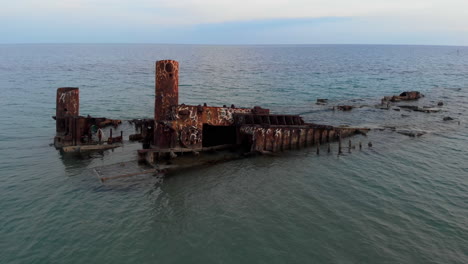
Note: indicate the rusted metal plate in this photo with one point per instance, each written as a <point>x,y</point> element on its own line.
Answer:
<point>310,136</point>
<point>279,138</point>
<point>302,141</point>
<point>185,127</point>
<point>167,97</point>
<point>67,104</point>
<point>167,88</point>
<point>269,139</point>
<point>68,101</point>
<point>266,119</point>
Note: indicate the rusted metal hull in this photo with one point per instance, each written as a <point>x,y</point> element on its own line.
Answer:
<point>179,128</point>
<point>196,128</point>
<point>281,138</point>
<point>73,129</point>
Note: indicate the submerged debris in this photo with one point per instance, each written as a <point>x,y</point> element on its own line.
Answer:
<point>110,122</point>
<point>86,148</point>
<point>135,137</point>
<point>411,133</point>
<point>404,96</point>
<point>424,109</point>
<point>322,101</point>
<point>345,107</point>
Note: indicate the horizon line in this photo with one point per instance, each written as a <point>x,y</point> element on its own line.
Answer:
<point>227,44</point>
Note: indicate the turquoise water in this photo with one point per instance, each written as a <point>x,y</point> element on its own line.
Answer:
<point>405,200</point>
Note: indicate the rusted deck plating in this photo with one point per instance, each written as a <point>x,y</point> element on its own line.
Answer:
<point>182,128</point>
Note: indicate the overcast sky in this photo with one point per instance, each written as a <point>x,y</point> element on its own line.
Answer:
<point>439,22</point>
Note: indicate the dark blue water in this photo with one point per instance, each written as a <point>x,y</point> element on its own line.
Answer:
<point>405,200</point>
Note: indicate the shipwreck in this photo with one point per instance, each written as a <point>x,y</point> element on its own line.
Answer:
<point>191,130</point>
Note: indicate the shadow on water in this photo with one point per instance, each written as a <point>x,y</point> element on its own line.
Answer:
<point>74,161</point>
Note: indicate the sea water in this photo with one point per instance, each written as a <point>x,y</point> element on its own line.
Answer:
<point>403,200</point>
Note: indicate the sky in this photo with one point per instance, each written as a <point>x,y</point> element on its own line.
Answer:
<point>425,22</point>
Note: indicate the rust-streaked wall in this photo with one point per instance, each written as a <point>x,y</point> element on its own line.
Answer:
<point>284,137</point>
<point>185,126</point>
<point>167,88</point>
<point>67,104</point>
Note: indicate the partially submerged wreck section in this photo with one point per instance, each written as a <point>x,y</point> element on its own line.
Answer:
<point>181,128</point>
<point>79,132</point>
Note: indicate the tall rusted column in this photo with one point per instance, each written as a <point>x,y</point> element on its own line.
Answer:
<point>167,88</point>
<point>68,104</point>
<point>167,97</point>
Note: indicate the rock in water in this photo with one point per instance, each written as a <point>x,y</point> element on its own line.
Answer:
<point>322,101</point>
<point>404,96</point>
<point>345,107</point>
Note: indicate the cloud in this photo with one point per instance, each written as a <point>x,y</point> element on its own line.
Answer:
<point>218,11</point>
<point>140,17</point>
